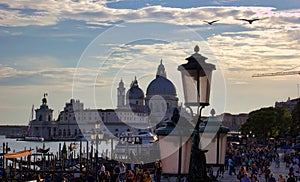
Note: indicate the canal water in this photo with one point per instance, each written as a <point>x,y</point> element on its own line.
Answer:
<point>103,146</point>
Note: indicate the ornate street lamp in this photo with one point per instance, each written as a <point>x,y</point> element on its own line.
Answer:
<point>187,159</point>
<point>196,80</point>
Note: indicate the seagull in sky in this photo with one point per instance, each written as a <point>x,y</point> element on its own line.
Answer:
<point>250,21</point>
<point>211,22</point>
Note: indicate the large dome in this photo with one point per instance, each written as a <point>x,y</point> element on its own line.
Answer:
<point>161,86</point>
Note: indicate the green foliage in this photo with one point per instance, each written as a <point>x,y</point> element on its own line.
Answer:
<point>295,125</point>
<point>268,122</point>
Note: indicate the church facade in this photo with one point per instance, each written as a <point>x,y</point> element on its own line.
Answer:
<point>135,112</point>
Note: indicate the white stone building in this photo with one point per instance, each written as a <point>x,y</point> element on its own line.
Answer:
<point>134,112</point>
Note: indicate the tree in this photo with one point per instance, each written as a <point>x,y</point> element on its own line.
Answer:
<point>268,122</point>
<point>295,125</point>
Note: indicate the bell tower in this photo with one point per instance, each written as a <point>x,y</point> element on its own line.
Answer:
<point>121,94</point>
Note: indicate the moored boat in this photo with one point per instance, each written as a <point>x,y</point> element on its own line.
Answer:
<point>33,138</point>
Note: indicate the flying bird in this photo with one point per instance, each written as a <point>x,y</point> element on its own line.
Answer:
<point>250,21</point>
<point>211,22</point>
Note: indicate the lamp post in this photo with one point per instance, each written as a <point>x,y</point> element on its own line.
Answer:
<point>196,80</point>
<point>187,160</point>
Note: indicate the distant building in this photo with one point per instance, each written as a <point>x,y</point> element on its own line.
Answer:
<point>134,112</point>
<point>289,104</point>
<point>13,131</point>
<point>233,121</point>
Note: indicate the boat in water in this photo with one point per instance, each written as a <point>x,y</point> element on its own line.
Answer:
<point>42,150</point>
<point>147,137</point>
<point>139,146</point>
<point>32,138</point>
<point>140,138</point>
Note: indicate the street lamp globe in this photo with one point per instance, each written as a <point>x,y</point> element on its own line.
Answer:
<point>196,79</point>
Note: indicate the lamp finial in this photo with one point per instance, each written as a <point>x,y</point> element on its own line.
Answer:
<point>196,49</point>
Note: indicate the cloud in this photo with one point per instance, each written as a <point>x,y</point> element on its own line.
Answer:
<point>97,13</point>
<point>6,72</point>
<point>243,54</point>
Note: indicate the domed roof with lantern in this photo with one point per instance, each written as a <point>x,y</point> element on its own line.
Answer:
<point>135,92</point>
<point>161,85</point>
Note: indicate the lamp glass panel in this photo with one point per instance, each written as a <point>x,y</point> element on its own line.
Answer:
<point>190,79</point>
<point>223,142</point>
<point>189,88</point>
<point>169,150</point>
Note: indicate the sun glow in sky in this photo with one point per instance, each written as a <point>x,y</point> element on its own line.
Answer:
<point>82,48</point>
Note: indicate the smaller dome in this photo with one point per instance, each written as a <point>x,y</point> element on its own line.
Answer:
<point>135,92</point>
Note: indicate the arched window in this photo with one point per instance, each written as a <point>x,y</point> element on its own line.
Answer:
<point>64,132</point>
<point>40,118</point>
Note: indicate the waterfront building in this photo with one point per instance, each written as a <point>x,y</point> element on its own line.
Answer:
<point>135,112</point>
<point>233,121</point>
<point>41,126</point>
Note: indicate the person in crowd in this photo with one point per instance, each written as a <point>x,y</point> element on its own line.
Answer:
<point>122,172</point>
<point>231,166</point>
<point>138,174</point>
<point>147,177</point>
<point>272,178</point>
<point>107,177</point>
<point>101,173</point>
<point>281,178</point>
<point>291,178</point>
<point>245,178</point>
<point>267,173</point>
<point>241,173</point>
<point>296,169</point>
<point>129,176</point>
<point>254,178</point>
<point>157,171</point>
<point>115,173</point>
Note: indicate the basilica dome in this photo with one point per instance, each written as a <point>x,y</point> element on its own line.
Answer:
<point>161,86</point>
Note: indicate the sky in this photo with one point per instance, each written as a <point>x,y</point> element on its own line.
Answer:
<point>81,49</point>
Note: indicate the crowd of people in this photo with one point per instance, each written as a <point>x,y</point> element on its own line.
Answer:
<point>129,173</point>
<point>252,164</point>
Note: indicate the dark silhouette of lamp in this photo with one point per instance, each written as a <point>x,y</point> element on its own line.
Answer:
<point>196,80</point>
